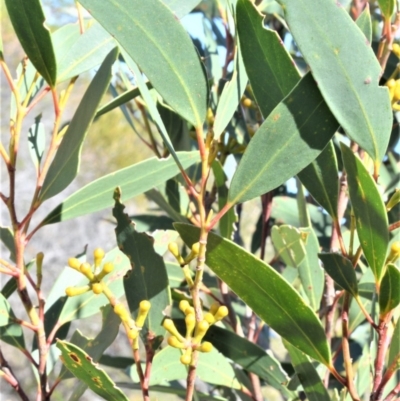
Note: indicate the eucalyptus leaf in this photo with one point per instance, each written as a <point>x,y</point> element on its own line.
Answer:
<point>387,8</point>
<point>389,293</point>
<point>394,349</point>
<point>181,7</point>
<point>369,210</point>
<point>269,295</point>
<point>364,23</point>
<point>141,28</point>
<point>65,164</point>
<point>133,180</point>
<point>82,366</point>
<point>296,130</point>
<point>353,72</point>
<point>28,19</point>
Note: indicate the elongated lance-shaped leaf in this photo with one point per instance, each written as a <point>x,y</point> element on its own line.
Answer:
<point>322,180</point>
<point>369,210</point>
<point>341,270</point>
<point>394,350</point>
<point>88,51</point>
<point>292,136</point>
<point>212,368</point>
<point>389,293</point>
<point>365,24</point>
<point>27,18</point>
<point>231,95</point>
<point>65,165</point>
<point>10,332</point>
<point>147,279</point>
<point>387,7</point>
<point>82,367</point>
<point>307,374</point>
<point>141,27</point>
<point>270,68</point>
<point>262,288</point>
<point>350,86</point>
<point>133,180</point>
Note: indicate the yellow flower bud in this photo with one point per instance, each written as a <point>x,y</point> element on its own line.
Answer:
<point>174,342</point>
<point>200,331</point>
<point>132,333</point>
<point>74,263</point>
<point>174,249</point>
<point>247,102</point>
<point>108,267</point>
<point>39,260</point>
<point>189,310</point>
<point>86,269</point>
<point>214,307</point>
<point>73,291</point>
<point>221,313</point>
<point>396,49</point>
<point>121,311</point>
<point>394,253</point>
<point>209,318</point>
<point>396,92</point>
<point>196,248</point>
<point>186,358</point>
<point>205,347</point>
<point>98,255</point>
<point>190,321</point>
<point>169,325</point>
<point>97,288</point>
<point>183,305</point>
<point>144,308</point>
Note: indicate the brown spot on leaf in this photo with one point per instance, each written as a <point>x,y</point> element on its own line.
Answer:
<point>74,357</point>
<point>276,117</point>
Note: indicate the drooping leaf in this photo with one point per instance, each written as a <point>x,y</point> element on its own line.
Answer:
<point>250,357</point>
<point>181,7</point>
<point>307,374</point>
<point>289,243</point>
<point>365,24</point>
<point>212,368</point>
<point>389,293</point>
<point>341,270</point>
<point>147,279</point>
<point>227,221</point>
<point>265,291</point>
<point>394,349</point>
<point>82,367</point>
<point>133,180</point>
<point>296,130</point>
<point>7,238</point>
<point>353,72</point>
<point>387,7</point>
<point>270,68</point>
<point>88,51</point>
<point>394,200</point>
<point>27,19</point>
<point>141,29</point>
<point>322,180</point>
<point>231,95</point>
<point>369,210</point>
<point>88,304</point>
<point>65,165</point>
<point>37,141</point>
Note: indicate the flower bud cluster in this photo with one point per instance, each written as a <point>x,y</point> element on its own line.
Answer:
<point>394,253</point>
<point>195,331</point>
<point>394,92</point>
<point>95,279</point>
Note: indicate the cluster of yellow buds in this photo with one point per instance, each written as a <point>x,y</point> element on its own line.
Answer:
<point>394,253</point>
<point>132,327</point>
<point>195,331</point>
<point>95,279</point>
<point>394,92</point>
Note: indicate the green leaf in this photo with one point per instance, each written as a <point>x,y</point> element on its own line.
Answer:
<point>10,332</point>
<point>365,24</point>
<point>88,304</point>
<point>321,179</point>
<point>212,368</point>
<point>231,95</point>
<point>142,28</point>
<point>82,367</point>
<point>265,291</point>
<point>147,279</point>
<point>270,68</point>
<point>353,72</point>
<point>311,274</point>
<point>307,374</point>
<point>88,51</point>
<point>250,357</point>
<point>289,243</point>
<point>133,180</point>
<point>341,270</point>
<point>120,100</point>
<point>369,210</point>
<point>5,312</point>
<point>65,165</point>
<point>394,350</point>
<point>181,7</point>
<point>394,200</point>
<point>175,275</point>
<point>28,19</point>
<point>296,130</point>
<point>7,238</point>
<point>389,293</point>
<point>387,8</point>
<point>37,141</point>
<point>228,220</point>
<point>63,39</point>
